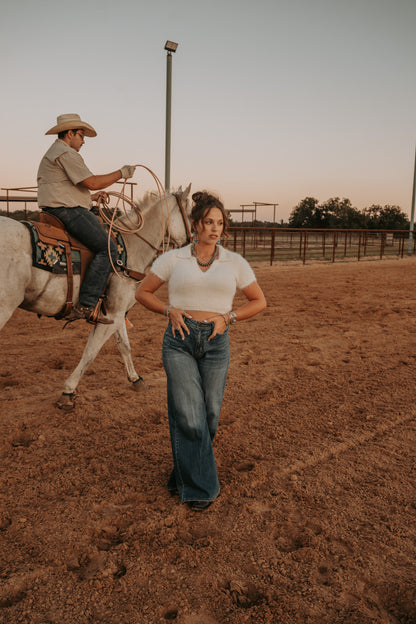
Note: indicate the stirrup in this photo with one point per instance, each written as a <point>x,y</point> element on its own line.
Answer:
<point>95,315</point>
<point>92,314</point>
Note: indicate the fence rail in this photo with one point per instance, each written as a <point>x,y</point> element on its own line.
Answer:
<point>282,244</point>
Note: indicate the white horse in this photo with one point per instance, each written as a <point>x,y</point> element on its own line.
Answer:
<point>42,292</point>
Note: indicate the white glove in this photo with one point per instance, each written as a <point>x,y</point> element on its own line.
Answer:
<point>127,171</point>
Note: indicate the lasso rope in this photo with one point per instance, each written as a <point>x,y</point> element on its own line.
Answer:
<point>112,226</point>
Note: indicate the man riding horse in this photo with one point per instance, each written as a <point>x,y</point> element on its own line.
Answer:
<point>64,185</point>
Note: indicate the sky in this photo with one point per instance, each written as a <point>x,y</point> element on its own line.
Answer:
<point>272,100</point>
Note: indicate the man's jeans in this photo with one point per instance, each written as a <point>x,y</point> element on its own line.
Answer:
<point>196,372</point>
<point>87,228</point>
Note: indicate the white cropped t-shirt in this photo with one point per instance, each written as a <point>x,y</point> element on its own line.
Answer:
<point>212,290</point>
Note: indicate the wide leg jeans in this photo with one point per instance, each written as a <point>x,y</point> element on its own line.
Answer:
<point>196,371</point>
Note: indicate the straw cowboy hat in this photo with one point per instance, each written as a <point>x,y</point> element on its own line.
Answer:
<point>72,121</point>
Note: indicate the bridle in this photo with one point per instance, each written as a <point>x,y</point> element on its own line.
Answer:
<point>184,217</point>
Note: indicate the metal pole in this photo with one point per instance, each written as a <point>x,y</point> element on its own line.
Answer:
<point>168,117</point>
<point>412,214</point>
<point>272,247</point>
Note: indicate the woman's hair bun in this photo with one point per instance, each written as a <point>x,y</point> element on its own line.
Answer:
<point>197,197</point>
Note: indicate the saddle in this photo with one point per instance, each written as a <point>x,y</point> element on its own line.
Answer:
<point>51,231</point>
<point>55,250</point>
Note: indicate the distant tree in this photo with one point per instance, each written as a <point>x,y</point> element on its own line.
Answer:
<point>339,213</point>
<point>334,213</point>
<point>386,217</point>
<point>305,214</point>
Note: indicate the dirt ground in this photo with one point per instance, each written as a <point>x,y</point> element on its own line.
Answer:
<point>316,456</point>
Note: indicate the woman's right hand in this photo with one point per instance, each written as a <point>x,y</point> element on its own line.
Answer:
<point>176,317</point>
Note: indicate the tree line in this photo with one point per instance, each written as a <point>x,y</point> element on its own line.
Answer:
<point>21,214</point>
<point>338,213</point>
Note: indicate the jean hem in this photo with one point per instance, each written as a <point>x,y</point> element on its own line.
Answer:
<point>200,500</point>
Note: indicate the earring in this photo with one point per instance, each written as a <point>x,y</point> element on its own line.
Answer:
<point>195,239</point>
<point>218,241</point>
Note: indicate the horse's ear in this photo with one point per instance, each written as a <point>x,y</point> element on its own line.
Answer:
<point>187,190</point>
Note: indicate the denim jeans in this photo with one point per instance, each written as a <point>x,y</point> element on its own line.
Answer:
<point>196,371</point>
<point>87,228</point>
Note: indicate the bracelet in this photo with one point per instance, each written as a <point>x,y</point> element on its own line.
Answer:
<point>233,317</point>
<point>167,310</point>
<point>225,320</point>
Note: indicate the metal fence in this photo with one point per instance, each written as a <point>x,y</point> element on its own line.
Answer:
<point>274,244</point>
<point>281,244</point>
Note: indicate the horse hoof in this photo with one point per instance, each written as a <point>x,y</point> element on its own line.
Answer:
<point>139,385</point>
<point>66,402</point>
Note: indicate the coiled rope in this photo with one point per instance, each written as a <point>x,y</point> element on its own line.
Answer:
<point>133,228</point>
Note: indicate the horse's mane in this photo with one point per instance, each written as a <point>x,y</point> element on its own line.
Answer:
<point>140,206</point>
<point>147,201</point>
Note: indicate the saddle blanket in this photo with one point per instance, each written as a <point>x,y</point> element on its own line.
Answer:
<point>51,256</point>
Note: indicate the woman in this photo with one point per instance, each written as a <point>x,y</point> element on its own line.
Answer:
<point>202,279</point>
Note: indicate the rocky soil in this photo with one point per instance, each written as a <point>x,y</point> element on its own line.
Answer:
<point>316,456</point>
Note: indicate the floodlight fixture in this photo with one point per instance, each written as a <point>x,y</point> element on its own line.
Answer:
<point>171,46</point>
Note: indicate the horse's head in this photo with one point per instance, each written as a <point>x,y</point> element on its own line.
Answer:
<point>157,218</point>
<point>180,211</point>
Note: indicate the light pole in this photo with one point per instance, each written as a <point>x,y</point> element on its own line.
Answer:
<point>412,212</point>
<point>170,47</point>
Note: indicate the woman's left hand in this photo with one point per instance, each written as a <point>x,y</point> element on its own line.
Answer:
<point>220,325</point>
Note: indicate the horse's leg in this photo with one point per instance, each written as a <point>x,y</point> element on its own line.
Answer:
<point>6,311</point>
<point>123,344</point>
<point>99,335</point>
<point>12,290</point>
<point>15,267</point>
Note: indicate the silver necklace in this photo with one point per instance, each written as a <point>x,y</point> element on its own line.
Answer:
<point>203,264</point>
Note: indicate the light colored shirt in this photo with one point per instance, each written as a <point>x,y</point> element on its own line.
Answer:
<point>60,172</point>
<point>210,291</point>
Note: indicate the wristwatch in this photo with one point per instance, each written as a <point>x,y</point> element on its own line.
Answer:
<point>233,318</point>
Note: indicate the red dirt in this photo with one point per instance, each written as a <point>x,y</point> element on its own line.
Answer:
<point>316,456</point>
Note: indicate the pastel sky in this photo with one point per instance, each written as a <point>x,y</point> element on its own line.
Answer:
<point>272,100</point>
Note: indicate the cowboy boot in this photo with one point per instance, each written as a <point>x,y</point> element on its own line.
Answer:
<point>89,313</point>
